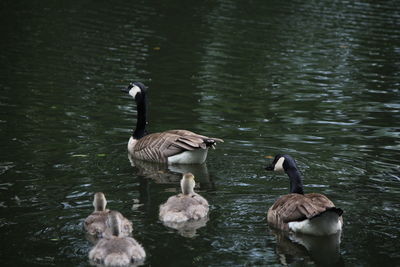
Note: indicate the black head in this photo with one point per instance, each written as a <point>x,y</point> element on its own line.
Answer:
<point>282,163</point>
<point>135,88</point>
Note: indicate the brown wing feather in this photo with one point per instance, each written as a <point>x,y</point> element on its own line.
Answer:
<point>192,141</point>
<point>160,146</point>
<point>188,133</point>
<point>319,202</point>
<point>296,207</point>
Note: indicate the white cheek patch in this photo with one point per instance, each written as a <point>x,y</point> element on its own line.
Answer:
<point>279,164</point>
<point>134,90</point>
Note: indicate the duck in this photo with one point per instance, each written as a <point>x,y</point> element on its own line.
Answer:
<point>185,206</point>
<point>312,213</point>
<point>115,249</point>
<point>96,223</point>
<point>173,146</point>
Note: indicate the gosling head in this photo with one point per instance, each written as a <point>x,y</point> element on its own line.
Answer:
<point>282,163</point>
<point>135,89</point>
<point>188,183</point>
<point>99,202</point>
<point>114,222</point>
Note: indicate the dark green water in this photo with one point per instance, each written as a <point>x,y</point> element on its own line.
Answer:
<point>316,79</point>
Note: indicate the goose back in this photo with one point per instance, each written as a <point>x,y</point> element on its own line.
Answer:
<point>181,208</point>
<point>117,251</point>
<point>298,207</point>
<point>159,147</point>
<point>96,224</point>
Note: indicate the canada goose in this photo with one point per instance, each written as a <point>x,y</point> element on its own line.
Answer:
<point>95,224</point>
<point>186,206</point>
<point>115,249</point>
<point>298,212</point>
<point>174,146</point>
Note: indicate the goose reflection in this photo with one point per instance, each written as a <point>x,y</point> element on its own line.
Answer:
<point>169,176</point>
<point>188,228</point>
<point>161,173</point>
<point>321,250</point>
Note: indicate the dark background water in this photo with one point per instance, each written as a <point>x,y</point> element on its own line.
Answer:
<point>316,79</point>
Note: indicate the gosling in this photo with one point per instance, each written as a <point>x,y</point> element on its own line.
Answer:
<point>95,224</point>
<point>186,206</point>
<point>115,249</point>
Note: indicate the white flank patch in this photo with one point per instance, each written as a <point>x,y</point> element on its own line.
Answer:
<point>197,156</point>
<point>279,164</point>
<point>131,144</point>
<point>326,224</point>
<point>134,90</point>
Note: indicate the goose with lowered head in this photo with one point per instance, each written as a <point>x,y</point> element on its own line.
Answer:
<point>174,146</point>
<point>311,213</point>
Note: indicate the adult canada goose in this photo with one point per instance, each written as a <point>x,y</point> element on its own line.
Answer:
<point>95,224</point>
<point>298,212</point>
<point>174,146</point>
<point>115,249</point>
<point>186,206</point>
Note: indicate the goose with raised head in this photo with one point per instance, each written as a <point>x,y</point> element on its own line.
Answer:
<point>115,249</point>
<point>311,213</point>
<point>95,224</point>
<point>185,206</point>
<point>174,146</point>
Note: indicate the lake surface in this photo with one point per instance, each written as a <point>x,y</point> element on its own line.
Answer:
<point>318,80</point>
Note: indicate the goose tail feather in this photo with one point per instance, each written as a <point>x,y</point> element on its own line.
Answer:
<point>211,142</point>
<point>336,210</point>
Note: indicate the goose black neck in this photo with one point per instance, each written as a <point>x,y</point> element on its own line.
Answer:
<point>141,122</point>
<point>296,185</point>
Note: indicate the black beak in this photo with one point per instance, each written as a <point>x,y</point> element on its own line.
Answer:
<point>269,168</point>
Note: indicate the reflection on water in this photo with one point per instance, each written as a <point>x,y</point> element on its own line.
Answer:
<point>318,80</point>
<point>162,173</point>
<point>158,172</point>
<point>188,228</point>
<point>321,250</point>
